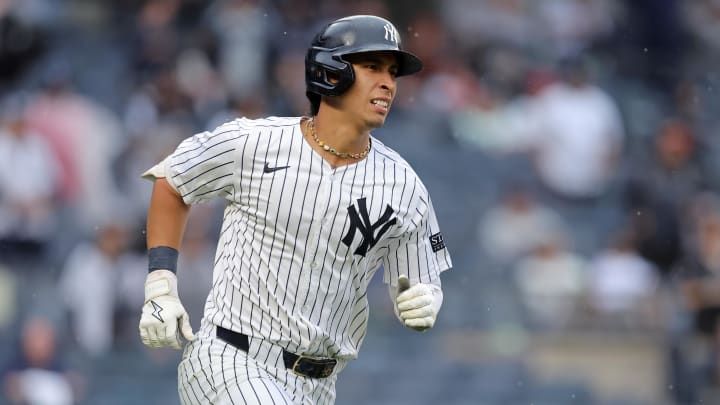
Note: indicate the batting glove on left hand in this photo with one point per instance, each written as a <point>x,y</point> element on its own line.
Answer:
<point>163,316</point>
<point>418,306</point>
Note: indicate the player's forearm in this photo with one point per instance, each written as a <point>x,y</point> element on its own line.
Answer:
<point>163,317</point>
<point>167,216</point>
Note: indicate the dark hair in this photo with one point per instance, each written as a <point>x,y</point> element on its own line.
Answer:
<point>314,102</point>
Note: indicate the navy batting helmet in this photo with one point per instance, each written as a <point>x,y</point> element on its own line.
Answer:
<point>348,36</point>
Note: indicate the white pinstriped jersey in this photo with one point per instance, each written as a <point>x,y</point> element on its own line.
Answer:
<point>301,240</point>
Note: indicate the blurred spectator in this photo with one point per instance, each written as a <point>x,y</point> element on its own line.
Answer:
<point>37,374</point>
<point>576,25</point>
<point>657,192</point>
<point>41,13</point>
<point>197,78</point>
<point>689,102</point>
<point>677,170</point>
<point>431,41</point>
<point>489,124</point>
<point>156,115</point>
<point>498,123</point>
<point>86,138</point>
<point>448,83</point>
<point>477,23</point>
<point>287,87</point>
<point>448,89</point>
<point>517,225</point>
<point>91,286</point>
<point>504,69</point>
<point>157,100</point>
<point>623,287</point>
<point>299,19</point>
<point>243,29</point>
<point>702,18</point>
<point>551,281</point>
<point>655,57</point>
<point>251,107</point>
<point>157,142</point>
<point>157,37</point>
<point>29,183</point>
<point>577,134</point>
<point>700,279</point>
<point>21,43</point>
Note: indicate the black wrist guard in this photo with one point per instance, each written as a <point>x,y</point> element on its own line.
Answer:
<point>162,258</point>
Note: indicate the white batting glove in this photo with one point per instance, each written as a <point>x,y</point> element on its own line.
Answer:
<point>417,306</point>
<point>163,316</point>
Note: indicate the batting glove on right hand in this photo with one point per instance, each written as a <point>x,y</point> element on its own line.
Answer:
<point>163,316</point>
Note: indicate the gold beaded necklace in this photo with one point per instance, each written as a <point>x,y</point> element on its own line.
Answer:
<point>326,147</point>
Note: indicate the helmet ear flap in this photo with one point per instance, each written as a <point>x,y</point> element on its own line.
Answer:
<point>327,74</point>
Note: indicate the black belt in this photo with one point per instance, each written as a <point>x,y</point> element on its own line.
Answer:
<point>300,365</point>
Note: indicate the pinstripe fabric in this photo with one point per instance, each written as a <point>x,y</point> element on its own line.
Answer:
<point>214,372</point>
<point>291,266</point>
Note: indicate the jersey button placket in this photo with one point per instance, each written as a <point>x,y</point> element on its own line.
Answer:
<point>314,266</point>
<point>333,180</point>
<point>308,278</point>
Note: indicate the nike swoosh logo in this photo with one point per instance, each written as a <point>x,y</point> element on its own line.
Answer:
<point>268,169</point>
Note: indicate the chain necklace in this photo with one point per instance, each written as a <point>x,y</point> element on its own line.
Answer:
<point>326,147</point>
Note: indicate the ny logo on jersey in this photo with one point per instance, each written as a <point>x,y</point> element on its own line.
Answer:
<point>391,33</point>
<point>361,222</point>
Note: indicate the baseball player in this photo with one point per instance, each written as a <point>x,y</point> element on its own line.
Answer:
<point>315,206</point>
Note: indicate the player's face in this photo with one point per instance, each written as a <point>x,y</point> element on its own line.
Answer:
<point>374,89</point>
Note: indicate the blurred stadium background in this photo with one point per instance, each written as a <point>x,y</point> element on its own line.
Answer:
<point>570,147</point>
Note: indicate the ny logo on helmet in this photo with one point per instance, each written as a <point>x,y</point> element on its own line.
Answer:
<point>391,33</point>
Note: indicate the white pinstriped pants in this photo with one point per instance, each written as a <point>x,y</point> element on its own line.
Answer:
<point>213,372</point>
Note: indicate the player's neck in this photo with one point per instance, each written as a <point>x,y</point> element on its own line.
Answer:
<point>339,133</point>
<point>342,127</point>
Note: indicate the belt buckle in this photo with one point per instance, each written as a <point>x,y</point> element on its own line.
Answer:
<point>326,367</point>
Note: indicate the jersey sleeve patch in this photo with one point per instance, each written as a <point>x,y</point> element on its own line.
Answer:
<point>436,242</point>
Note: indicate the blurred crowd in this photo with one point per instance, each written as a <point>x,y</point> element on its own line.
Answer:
<point>570,147</point>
